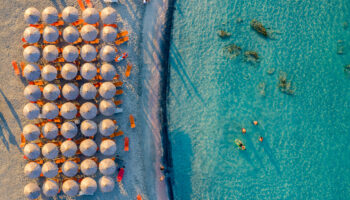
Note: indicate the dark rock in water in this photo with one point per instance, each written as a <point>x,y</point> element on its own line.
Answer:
<point>285,85</point>
<point>262,87</point>
<point>223,34</point>
<point>347,68</point>
<point>258,27</point>
<point>232,51</point>
<point>345,25</point>
<point>239,20</point>
<point>271,71</point>
<point>340,47</point>
<point>251,56</point>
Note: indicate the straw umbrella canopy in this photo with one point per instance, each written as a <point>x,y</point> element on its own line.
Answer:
<point>70,34</point>
<point>68,148</point>
<point>50,188</point>
<point>69,71</point>
<point>70,53</point>
<point>49,151</point>
<point>88,147</point>
<point>49,169</point>
<point>70,188</point>
<point>50,53</point>
<point>32,92</point>
<point>91,16</point>
<point>31,53</point>
<point>31,151</point>
<point>88,52</point>
<point>88,71</point>
<point>31,72</point>
<point>107,53</point>
<point>69,130</point>
<point>50,130</point>
<point>51,92</point>
<point>107,90</point>
<point>109,34</point>
<point>88,91</point>
<point>32,170</point>
<point>32,191</point>
<point>70,14</point>
<point>107,107</point>
<point>88,32</point>
<point>70,91</point>
<point>106,184</point>
<point>88,167</point>
<point>88,110</point>
<point>108,147</point>
<point>50,33</point>
<point>88,128</point>
<point>108,15</point>
<point>31,132</point>
<point>50,111</point>
<point>49,73</point>
<point>108,72</point>
<point>107,166</point>
<point>68,110</point>
<point>31,35</point>
<point>31,15</point>
<point>49,15</point>
<point>31,111</point>
<point>88,186</point>
<point>107,127</point>
<point>69,168</point>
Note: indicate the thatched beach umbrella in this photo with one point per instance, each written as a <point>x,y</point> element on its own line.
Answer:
<point>31,53</point>
<point>70,53</point>
<point>70,91</point>
<point>88,147</point>
<point>32,170</point>
<point>31,72</point>
<point>68,148</point>
<point>88,110</point>
<point>91,16</point>
<point>50,53</point>
<point>88,167</point>
<point>32,191</point>
<point>68,110</point>
<point>70,14</point>
<point>106,184</point>
<point>49,73</point>
<point>31,151</point>
<point>31,35</point>
<point>70,188</point>
<point>107,166</point>
<point>107,53</point>
<point>50,111</point>
<point>31,111</point>
<point>107,127</point>
<point>108,15</point>
<point>69,130</point>
<point>51,92</point>
<point>49,15</point>
<point>69,71</point>
<point>109,34</point>
<point>107,90</point>
<point>88,52</point>
<point>50,188</point>
<point>32,92</point>
<point>69,168</point>
<point>107,107</point>
<point>108,71</point>
<point>88,71</point>
<point>31,132</point>
<point>49,151</point>
<point>88,32</point>
<point>50,34</point>
<point>88,91</point>
<point>31,15</point>
<point>88,186</point>
<point>88,128</point>
<point>50,130</point>
<point>70,34</point>
<point>49,169</point>
<point>108,147</point>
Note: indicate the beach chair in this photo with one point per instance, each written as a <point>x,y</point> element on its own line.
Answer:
<point>120,175</point>
<point>15,67</point>
<point>111,25</point>
<point>122,34</point>
<point>132,121</point>
<point>128,70</point>
<point>81,5</point>
<point>116,134</point>
<point>119,92</point>
<point>118,84</point>
<point>126,144</point>
<point>118,102</point>
<point>122,40</point>
<point>23,141</point>
<point>138,197</point>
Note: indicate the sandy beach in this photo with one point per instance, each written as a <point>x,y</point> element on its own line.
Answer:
<point>141,97</point>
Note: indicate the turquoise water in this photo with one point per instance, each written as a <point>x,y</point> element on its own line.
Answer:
<point>306,152</point>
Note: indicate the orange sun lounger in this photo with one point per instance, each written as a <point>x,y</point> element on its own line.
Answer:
<point>128,70</point>
<point>122,40</point>
<point>132,121</point>
<point>120,175</point>
<point>122,34</point>
<point>126,144</point>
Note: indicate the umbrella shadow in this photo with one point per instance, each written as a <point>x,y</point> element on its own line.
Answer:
<point>12,139</point>
<point>272,158</point>
<point>12,109</point>
<point>63,3</point>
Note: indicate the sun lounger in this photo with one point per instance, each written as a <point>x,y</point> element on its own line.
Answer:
<point>128,70</point>
<point>132,121</point>
<point>15,67</point>
<point>126,144</point>
<point>120,175</point>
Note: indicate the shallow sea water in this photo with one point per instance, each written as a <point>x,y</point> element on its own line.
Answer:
<point>305,153</point>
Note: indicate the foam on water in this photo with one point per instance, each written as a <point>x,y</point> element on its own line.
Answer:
<point>305,153</point>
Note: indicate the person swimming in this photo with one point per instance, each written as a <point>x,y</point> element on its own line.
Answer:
<point>261,138</point>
